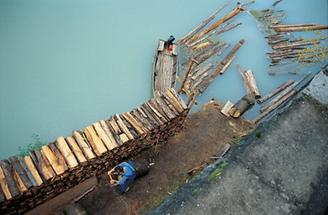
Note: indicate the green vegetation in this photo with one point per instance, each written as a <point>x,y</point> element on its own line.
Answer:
<point>218,171</point>
<point>35,145</point>
<point>258,134</point>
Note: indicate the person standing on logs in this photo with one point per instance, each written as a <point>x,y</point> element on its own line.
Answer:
<point>169,43</point>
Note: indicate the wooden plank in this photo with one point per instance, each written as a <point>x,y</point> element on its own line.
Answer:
<point>95,142</point>
<point>4,185</point>
<point>87,150</point>
<point>8,178</point>
<point>76,149</point>
<point>66,152</point>
<point>156,111</point>
<point>104,137</point>
<point>31,170</point>
<point>108,132</point>
<point>134,123</point>
<point>19,182</point>
<point>130,127</point>
<point>22,176</point>
<point>176,102</point>
<point>114,125</point>
<point>43,165</point>
<point>55,159</point>
<point>252,83</point>
<point>123,127</point>
<point>124,138</point>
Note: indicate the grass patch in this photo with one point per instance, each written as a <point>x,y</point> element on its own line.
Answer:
<point>218,171</point>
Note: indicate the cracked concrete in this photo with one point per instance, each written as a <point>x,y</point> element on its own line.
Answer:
<point>281,168</point>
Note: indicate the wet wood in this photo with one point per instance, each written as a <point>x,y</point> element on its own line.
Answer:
<point>7,180</point>
<point>227,17</point>
<point>244,79</point>
<point>299,27</point>
<point>55,159</point>
<point>244,104</point>
<point>95,142</point>
<point>43,165</point>
<point>76,149</point>
<point>274,106</point>
<point>203,24</point>
<point>87,151</point>
<point>276,91</point>
<point>187,74</point>
<point>226,108</point>
<point>31,172</point>
<point>66,152</point>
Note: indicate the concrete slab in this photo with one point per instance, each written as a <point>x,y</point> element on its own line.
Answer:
<point>318,88</point>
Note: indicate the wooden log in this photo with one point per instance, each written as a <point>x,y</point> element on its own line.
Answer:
<point>210,53</point>
<point>66,152</point>
<point>226,108</point>
<point>156,108</point>
<point>7,180</point>
<point>151,115</point>
<point>134,123</point>
<point>76,149</point>
<point>252,84</point>
<point>244,78</point>
<point>108,132</point>
<point>4,185</point>
<point>31,171</point>
<point>203,24</point>
<point>242,106</point>
<point>165,108</point>
<point>294,45</point>
<point>299,27</point>
<point>56,161</point>
<point>95,142</point>
<point>167,100</point>
<point>187,74</point>
<point>202,45</point>
<point>145,123</point>
<point>123,127</point>
<point>19,182</point>
<point>279,97</point>
<point>227,17</point>
<point>134,133</point>
<point>156,112</point>
<point>43,165</point>
<point>109,142</point>
<point>23,179</point>
<point>274,106</point>
<point>276,91</point>
<point>114,129</point>
<point>182,104</point>
<point>87,151</point>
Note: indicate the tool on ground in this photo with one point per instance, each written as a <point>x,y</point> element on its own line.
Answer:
<point>124,174</point>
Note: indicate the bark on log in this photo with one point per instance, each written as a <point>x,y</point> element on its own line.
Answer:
<point>227,17</point>
<point>242,106</point>
<point>276,91</point>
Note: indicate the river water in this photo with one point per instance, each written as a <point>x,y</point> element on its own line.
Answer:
<point>66,64</point>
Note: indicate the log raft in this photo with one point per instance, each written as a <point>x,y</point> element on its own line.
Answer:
<point>62,164</point>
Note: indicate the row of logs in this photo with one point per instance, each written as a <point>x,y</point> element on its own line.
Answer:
<point>30,180</point>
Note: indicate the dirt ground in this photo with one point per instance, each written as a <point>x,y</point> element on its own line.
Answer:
<point>203,136</point>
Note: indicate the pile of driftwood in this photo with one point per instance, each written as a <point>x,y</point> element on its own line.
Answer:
<point>197,78</point>
<point>30,180</point>
<point>285,48</point>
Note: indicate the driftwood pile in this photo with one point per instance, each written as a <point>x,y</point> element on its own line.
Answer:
<point>30,180</point>
<point>285,48</point>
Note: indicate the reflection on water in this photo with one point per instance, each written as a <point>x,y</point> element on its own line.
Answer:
<point>66,64</point>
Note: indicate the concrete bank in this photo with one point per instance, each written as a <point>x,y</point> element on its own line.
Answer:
<point>281,168</point>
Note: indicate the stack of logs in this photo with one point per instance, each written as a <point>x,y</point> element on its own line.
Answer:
<point>30,180</point>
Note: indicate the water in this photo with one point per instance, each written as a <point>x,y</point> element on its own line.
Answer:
<point>66,64</point>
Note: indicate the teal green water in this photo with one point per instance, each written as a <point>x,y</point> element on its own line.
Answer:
<point>66,64</point>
